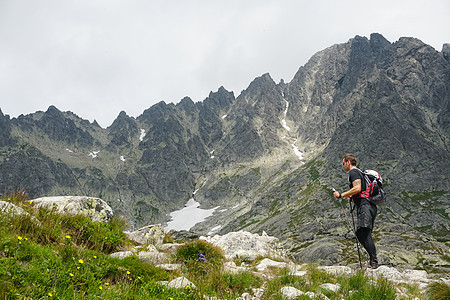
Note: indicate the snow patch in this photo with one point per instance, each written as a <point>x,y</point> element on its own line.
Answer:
<point>186,218</point>
<point>283,122</point>
<point>296,151</point>
<point>67,149</point>
<point>212,154</point>
<point>122,158</point>
<point>141,137</point>
<point>93,154</point>
<point>224,116</point>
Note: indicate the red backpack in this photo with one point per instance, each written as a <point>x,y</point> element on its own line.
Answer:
<point>374,192</point>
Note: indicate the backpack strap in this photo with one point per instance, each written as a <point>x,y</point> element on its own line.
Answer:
<point>368,186</point>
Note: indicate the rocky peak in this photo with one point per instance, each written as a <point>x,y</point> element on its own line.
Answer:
<point>187,105</point>
<point>155,112</point>
<point>220,99</point>
<point>123,130</point>
<point>57,126</point>
<point>381,47</point>
<point>446,51</point>
<point>5,130</point>
<point>260,85</point>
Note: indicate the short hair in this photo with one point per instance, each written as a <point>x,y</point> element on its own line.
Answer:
<point>351,158</point>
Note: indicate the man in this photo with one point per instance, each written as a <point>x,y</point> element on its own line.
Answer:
<point>365,211</point>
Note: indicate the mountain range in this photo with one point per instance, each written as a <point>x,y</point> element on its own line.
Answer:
<point>268,158</point>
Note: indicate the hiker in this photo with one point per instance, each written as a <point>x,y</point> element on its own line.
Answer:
<point>365,211</point>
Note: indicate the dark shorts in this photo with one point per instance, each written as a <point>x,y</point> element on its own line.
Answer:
<point>366,214</point>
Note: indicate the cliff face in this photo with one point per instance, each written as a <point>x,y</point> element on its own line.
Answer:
<point>270,156</point>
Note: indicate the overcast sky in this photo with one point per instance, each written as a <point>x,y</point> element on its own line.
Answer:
<point>99,57</point>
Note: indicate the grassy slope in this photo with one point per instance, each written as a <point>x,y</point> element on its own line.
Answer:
<point>46,255</point>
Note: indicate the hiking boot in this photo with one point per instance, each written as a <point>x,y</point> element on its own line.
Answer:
<point>373,264</point>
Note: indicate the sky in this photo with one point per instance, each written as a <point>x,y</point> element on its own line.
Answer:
<point>97,58</point>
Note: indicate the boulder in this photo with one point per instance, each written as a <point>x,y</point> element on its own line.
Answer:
<point>325,251</point>
<point>152,234</point>
<point>266,262</point>
<point>121,255</point>
<point>9,208</point>
<point>290,292</point>
<point>14,210</point>
<point>331,287</point>
<point>169,247</point>
<point>181,283</point>
<point>246,244</point>
<point>95,208</point>
<point>153,257</point>
<point>337,270</point>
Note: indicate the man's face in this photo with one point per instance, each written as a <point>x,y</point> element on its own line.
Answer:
<point>346,165</point>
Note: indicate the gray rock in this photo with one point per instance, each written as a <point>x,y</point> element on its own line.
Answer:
<point>121,254</point>
<point>331,287</point>
<point>153,257</point>
<point>168,247</point>
<point>95,208</point>
<point>11,209</point>
<point>152,234</point>
<point>181,283</point>
<point>290,292</point>
<point>324,251</point>
<point>266,262</point>
<point>337,270</point>
<point>246,244</point>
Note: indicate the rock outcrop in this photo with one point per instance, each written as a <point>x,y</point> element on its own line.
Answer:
<point>152,234</point>
<point>247,245</point>
<point>95,208</point>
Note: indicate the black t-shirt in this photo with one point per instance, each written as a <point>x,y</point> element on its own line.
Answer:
<point>353,175</point>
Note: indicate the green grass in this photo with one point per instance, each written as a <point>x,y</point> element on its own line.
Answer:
<point>438,291</point>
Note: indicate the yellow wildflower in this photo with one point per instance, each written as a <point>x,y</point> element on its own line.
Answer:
<point>128,272</point>
<point>68,237</point>
<point>50,294</point>
<point>95,256</point>
<point>100,288</point>
<point>80,261</point>
<point>19,238</point>
<point>71,275</point>
<point>78,268</point>
<point>106,283</point>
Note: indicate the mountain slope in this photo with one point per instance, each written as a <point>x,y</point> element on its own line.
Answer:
<point>269,157</point>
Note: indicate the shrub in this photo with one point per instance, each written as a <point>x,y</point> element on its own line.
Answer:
<point>199,251</point>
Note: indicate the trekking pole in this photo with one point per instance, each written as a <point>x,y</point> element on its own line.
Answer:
<point>352,228</point>
<point>357,240</point>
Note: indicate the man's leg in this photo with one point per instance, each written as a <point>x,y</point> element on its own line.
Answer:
<point>365,238</point>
